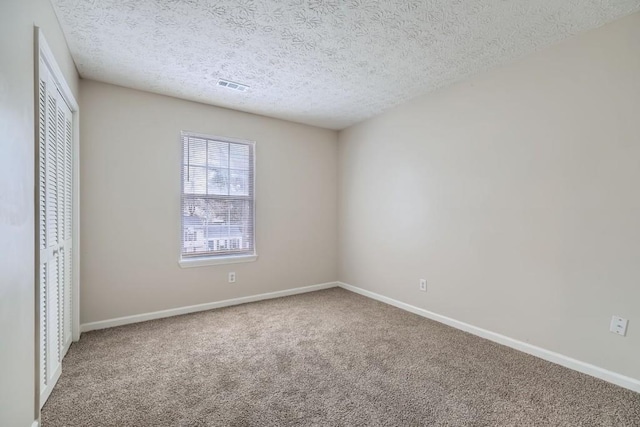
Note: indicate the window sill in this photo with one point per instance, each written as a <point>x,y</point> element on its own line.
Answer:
<point>205,261</point>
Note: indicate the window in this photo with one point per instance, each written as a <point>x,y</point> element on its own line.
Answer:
<point>217,200</point>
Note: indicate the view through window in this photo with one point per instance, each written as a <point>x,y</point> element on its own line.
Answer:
<point>217,197</point>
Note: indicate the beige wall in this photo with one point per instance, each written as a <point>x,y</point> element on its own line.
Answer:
<point>130,202</point>
<point>515,194</point>
<point>17,18</point>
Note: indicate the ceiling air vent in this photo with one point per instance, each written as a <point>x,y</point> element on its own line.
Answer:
<point>233,85</point>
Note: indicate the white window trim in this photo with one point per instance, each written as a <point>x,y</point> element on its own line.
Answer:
<point>204,261</point>
<point>217,260</point>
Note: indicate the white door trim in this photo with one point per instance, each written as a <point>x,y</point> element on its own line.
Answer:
<point>43,53</point>
<point>47,56</point>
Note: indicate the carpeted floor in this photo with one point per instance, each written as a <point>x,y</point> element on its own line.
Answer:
<point>327,358</point>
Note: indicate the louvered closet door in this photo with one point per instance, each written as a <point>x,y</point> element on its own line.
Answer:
<point>55,230</point>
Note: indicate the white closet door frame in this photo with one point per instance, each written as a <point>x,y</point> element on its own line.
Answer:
<point>44,55</point>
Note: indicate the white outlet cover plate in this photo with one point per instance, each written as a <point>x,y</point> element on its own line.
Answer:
<point>618,325</point>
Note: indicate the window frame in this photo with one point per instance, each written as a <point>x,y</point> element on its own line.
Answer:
<point>209,259</point>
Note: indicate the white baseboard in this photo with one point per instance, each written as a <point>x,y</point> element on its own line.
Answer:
<point>35,424</point>
<point>568,362</point>
<point>119,321</point>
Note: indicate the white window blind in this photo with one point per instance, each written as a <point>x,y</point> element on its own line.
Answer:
<point>217,197</point>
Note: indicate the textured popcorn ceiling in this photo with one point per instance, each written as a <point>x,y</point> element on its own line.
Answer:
<point>328,63</point>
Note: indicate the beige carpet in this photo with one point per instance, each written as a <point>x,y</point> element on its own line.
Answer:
<point>327,358</point>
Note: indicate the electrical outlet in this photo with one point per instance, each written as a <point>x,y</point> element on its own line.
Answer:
<point>232,277</point>
<point>618,325</point>
<point>423,285</point>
